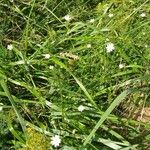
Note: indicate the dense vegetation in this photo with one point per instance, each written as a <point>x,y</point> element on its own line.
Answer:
<point>74,74</point>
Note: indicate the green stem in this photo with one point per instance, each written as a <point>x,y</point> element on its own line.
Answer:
<point>6,90</point>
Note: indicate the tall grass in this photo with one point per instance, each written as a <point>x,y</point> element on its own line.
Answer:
<point>77,69</point>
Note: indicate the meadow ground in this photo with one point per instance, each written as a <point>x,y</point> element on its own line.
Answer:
<point>74,74</point>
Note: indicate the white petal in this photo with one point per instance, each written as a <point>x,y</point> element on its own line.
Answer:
<point>92,21</point>
<point>89,46</point>
<point>121,66</point>
<point>55,140</point>
<point>110,47</point>
<point>47,56</point>
<point>81,108</point>
<point>110,15</point>
<point>67,18</point>
<point>143,14</point>
<point>51,67</point>
<point>10,47</point>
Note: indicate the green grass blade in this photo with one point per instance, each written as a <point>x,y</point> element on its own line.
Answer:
<point>27,25</point>
<point>6,90</point>
<point>121,138</point>
<point>15,133</point>
<point>110,144</point>
<point>77,81</point>
<point>106,114</point>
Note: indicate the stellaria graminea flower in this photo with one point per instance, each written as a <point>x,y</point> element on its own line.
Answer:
<point>121,66</point>
<point>110,15</point>
<point>92,20</point>
<point>89,46</point>
<point>51,67</point>
<point>110,47</point>
<point>10,47</point>
<point>143,14</point>
<point>55,140</point>
<point>81,108</point>
<point>67,18</point>
<point>47,56</point>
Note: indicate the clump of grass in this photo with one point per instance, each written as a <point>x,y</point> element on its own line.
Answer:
<point>76,69</point>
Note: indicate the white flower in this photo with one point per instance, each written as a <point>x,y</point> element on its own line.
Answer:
<point>146,46</point>
<point>143,14</point>
<point>55,140</point>
<point>51,67</point>
<point>110,15</point>
<point>67,18</point>
<point>110,47</point>
<point>92,20</point>
<point>81,108</point>
<point>89,46</point>
<point>10,47</point>
<point>47,56</point>
<point>121,66</point>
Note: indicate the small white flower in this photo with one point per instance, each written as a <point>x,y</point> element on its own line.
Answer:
<point>10,47</point>
<point>67,18</point>
<point>81,108</point>
<point>146,46</point>
<point>51,67</point>
<point>89,46</point>
<point>143,14</point>
<point>55,140</point>
<point>92,20</point>
<point>110,47</point>
<point>47,56</point>
<point>110,15</point>
<point>121,66</point>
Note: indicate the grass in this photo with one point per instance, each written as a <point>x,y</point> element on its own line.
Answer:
<point>52,68</point>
